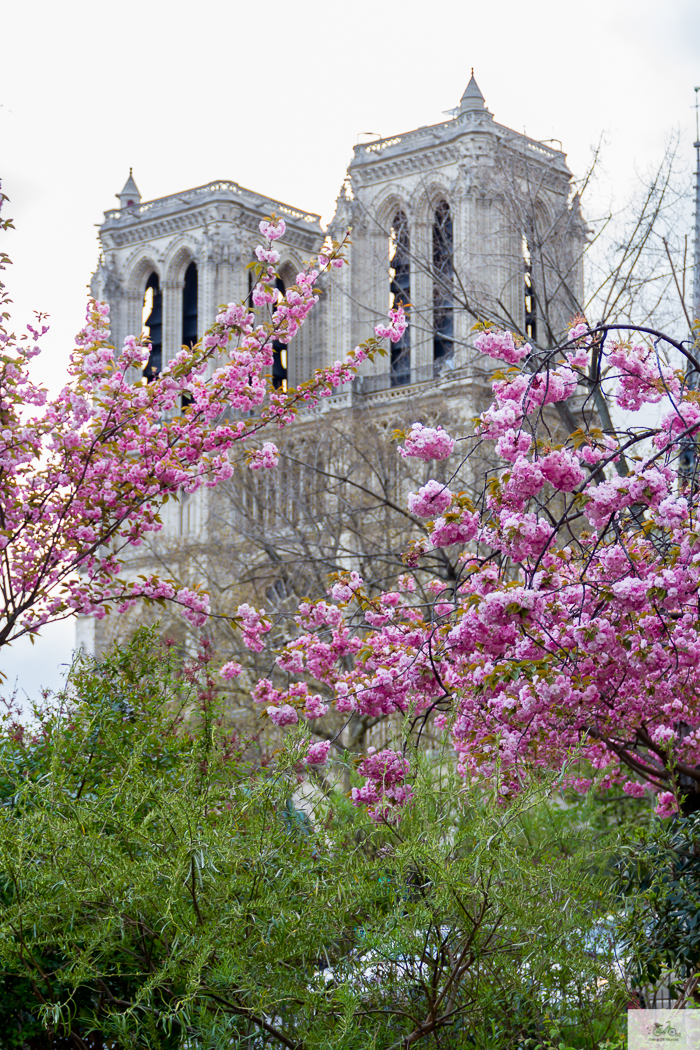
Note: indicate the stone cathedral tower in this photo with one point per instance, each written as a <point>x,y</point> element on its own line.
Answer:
<point>462,221</point>
<point>465,219</point>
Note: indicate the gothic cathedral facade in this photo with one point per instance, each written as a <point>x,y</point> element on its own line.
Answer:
<point>463,221</point>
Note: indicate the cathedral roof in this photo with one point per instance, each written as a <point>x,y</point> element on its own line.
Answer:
<point>472,97</point>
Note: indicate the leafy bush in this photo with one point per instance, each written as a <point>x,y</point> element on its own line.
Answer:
<point>161,887</point>
<point>658,878</point>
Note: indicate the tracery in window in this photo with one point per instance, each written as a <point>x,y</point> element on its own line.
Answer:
<point>400,293</point>
<point>153,326</point>
<point>443,284</point>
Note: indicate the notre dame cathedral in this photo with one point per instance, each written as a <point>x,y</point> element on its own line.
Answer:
<point>463,221</point>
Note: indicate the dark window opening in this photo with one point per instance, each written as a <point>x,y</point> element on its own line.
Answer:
<point>688,467</point>
<point>530,304</point>
<point>189,307</point>
<point>153,326</point>
<point>443,292</point>
<point>400,294</point>
<point>279,349</point>
<point>529,292</point>
<point>190,317</point>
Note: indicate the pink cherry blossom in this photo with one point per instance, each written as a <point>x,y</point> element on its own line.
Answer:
<point>273,230</point>
<point>427,443</point>
<point>266,457</point>
<point>672,512</point>
<point>396,327</point>
<point>253,626</point>
<point>501,345</point>
<point>561,468</point>
<point>462,530</point>
<point>566,627</point>
<point>385,786</point>
<point>267,255</point>
<point>317,755</point>
<point>231,670</point>
<point>513,443</point>
<point>283,716</point>
<point>346,586</point>
<point>554,641</point>
<point>85,475</point>
<point>432,499</point>
<point>666,805</point>
<point>579,331</point>
<point>643,379</point>
<point>315,708</point>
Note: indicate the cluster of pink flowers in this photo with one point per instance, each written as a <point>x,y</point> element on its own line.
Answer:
<point>433,498</point>
<point>230,670</point>
<point>427,443</point>
<point>325,260</point>
<point>317,755</point>
<point>285,715</point>
<point>385,787</point>
<point>563,470</point>
<point>294,307</point>
<point>396,327</point>
<point>666,804</point>
<point>580,332</point>
<point>643,379</point>
<point>460,530</point>
<point>648,487</point>
<point>512,444</point>
<point>502,346</point>
<point>265,457</point>
<point>272,229</point>
<point>343,590</point>
<point>253,626</point>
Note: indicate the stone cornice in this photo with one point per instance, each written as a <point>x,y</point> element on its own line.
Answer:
<point>114,236</point>
<point>215,203</point>
<point>442,144</point>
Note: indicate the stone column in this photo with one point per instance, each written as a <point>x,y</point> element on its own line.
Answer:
<point>421,227</point>
<point>172,319</point>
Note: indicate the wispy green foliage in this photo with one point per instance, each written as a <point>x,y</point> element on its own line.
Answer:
<point>162,889</point>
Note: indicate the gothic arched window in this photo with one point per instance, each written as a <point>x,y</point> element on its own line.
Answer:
<point>153,326</point>
<point>279,349</point>
<point>190,319</point>
<point>443,289</point>
<point>400,292</point>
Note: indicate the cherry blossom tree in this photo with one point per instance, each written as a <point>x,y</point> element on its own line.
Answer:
<point>572,635</point>
<point>84,475</point>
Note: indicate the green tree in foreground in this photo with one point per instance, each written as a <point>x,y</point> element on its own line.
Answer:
<point>162,888</point>
<point>658,877</point>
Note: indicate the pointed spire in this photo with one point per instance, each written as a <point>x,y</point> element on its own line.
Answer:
<point>472,99</point>
<point>130,194</point>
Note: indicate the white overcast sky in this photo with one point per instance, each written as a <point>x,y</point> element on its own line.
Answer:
<point>273,95</point>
